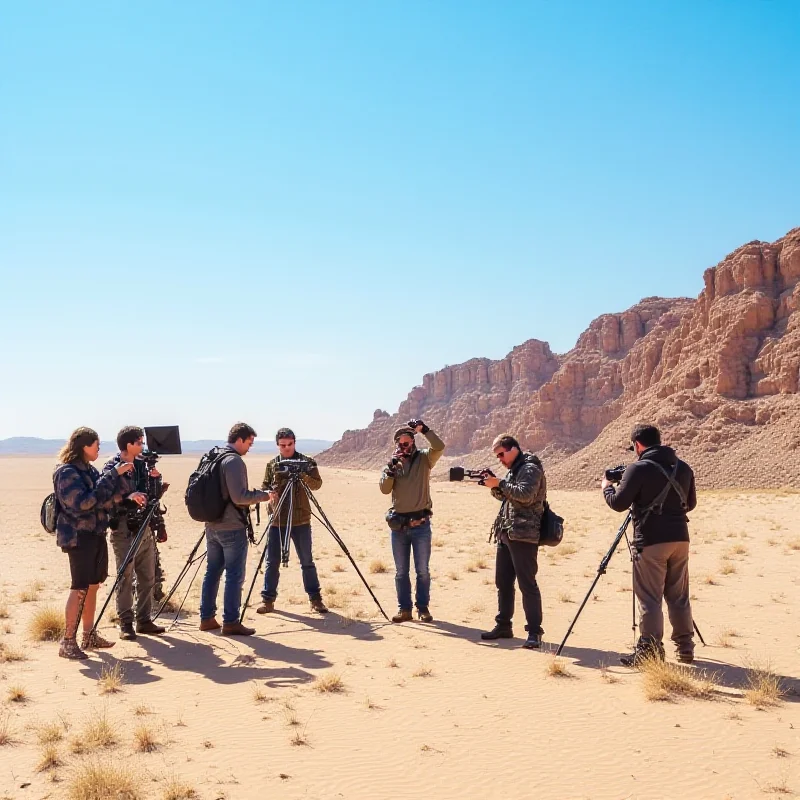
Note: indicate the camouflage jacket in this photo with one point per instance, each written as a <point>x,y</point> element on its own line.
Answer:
<point>523,492</point>
<point>84,499</point>
<point>301,505</point>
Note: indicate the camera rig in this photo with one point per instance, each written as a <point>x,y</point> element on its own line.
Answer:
<point>478,475</point>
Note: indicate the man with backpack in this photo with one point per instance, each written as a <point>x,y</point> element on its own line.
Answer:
<point>658,489</point>
<point>522,493</point>
<point>225,474</point>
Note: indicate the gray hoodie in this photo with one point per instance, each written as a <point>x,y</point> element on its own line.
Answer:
<point>234,488</point>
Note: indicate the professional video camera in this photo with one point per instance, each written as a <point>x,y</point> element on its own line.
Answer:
<point>614,475</point>
<point>479,475</point>
<point>293,466</point>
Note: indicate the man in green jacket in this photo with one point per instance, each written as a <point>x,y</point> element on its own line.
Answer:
<point>299,526</point>
<point>407,477</point>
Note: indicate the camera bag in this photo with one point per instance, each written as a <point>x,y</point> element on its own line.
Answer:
<point>551,531</point>
<point>205,501</point>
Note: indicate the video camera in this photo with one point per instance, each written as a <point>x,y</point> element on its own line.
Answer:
<point>614,475</point>
<point>479,475</point>
<point>293,466</point>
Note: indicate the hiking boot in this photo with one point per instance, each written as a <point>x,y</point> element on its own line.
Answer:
<point>209,624</point>
<point>236,629</point>
<point>92,640</point>
<point>498,632</point>
<point>69,649</point>
<point>267,607</point>
<point>424,614</point>
<point>645,650</point>
<point>686,656</point>
<point>533,642</point>
<point>148,626</point>
<point>318,606</point>
<point>127,632</point>
<point>403,615</point>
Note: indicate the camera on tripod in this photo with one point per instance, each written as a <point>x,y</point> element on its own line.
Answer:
<point>479,475</point>
<point>614,475</point>
<point>293,466</point>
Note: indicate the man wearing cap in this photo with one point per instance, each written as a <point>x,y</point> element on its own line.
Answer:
<point>659,489</point>
<point>407,477</point>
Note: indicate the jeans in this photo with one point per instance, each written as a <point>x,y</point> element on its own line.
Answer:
<point>142,567</point>
<point>403,542</point>
<point>518,561</point>
<point>301,536</point>
<point>227,550</point>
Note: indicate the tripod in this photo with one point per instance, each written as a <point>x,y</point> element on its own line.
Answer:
<point>601,570</point>
<point>193,559</point>
<point>152,505</point>
<point>293,483</point>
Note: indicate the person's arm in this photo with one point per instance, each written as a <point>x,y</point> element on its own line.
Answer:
<point>312,479</point>
<point>434,452</point>
<point>521,488</point>
<point>269,476</point>
<point>691,497</point>
<point>619,498</point>
<point>235,474</point>
<point>497,494</point>
<point>74,495</point>
<point>386,482</point>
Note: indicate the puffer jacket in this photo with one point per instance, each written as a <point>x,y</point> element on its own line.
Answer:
<point>84,500</point>
<point>523,492</point>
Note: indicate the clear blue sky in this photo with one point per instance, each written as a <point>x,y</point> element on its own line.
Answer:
<point>287,213</point>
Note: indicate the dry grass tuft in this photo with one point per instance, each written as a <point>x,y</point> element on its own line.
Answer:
<point>665,681</point>
<point>4,610</point>
<point>50,759</point>
<point>765,687</point>
<point>567,550</point>
<point>564,597</point>
<point>608,676</point>
<point>97,732</point>
<point>17,694</point>
<point>423,671</point>
<point>6,732</point>
<point>145,739</point>
<point>377,566</point>
<point>111,679</point>
<point>298,739</point>
<point>329,683</point>
<point>259,695</point>
<point>392,662</point>
<point>9,653</point>
<point>47,625</point>
<point>101,781</point>
<point>793,544</point>
<point>30,594</point>
<point>176,789</point>
<point>50,734</point>
<point>779,787</point>
<point>337,567</point>
<point>779,752</point>
<point>557,668</point>
<point>727,568</point>
<point>142,710</point>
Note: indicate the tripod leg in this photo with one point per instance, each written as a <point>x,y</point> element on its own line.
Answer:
<point>181,576</point>
<point>697,631</point>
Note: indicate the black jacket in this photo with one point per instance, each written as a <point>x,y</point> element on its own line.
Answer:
<point>523,492</point>
<point>641,484</point>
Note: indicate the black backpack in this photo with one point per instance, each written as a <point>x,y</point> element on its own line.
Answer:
<point>204,499</point>
<point>48,515</point>
<point>552,529</point>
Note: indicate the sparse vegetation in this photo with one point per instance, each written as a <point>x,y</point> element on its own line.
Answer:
<point>564,597</point>
<point>727,568</point>
<point>47,625</point>
<point>98,732</point>
<point>145,739</point>
<point>764,686</point>
<point>557,668</point>
<point>31,592</point>
<point>665,681</point>
<point>299,738</point>
<point>329,683</point>
<point>423,671</point>
<point>177,789</point>
<point>100,781</point>
<point>50,759</point>
<point>17,694</point>
<point>9,653</point>
<point>111,678</point>
<point>50,734</point>
<point>6,733</point>
<point>377,566</point>
<point>259,695</point>
<point>4,610</point>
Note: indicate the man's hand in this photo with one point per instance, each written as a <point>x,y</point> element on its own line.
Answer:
<point>140,498</point>
<point>605,483</point>
<point>164,487</point>
<point>491,482</point>
<point>273,496</point>
<point>124,467</point>
<point>418,425</point>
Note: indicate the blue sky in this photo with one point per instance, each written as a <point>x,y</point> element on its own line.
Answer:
<point>287,213</point>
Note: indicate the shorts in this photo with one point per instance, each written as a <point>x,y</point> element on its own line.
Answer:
<point>88,562</point>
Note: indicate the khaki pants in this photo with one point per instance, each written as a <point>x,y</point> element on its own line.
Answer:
<point>662,570</point>
<point>142,566</point>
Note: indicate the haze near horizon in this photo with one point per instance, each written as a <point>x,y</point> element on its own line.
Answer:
<point>289,214</point>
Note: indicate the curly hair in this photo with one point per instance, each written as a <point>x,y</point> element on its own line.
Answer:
<point>72,451</point>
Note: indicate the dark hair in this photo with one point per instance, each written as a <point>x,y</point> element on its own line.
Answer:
<point>128,435</point>
<point>241,430</point>
<point>506,441</point>
<point>72,451</point>
<point>285,433</point>
<point>646,435</point>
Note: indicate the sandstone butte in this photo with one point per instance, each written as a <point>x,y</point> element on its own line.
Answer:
<point>719,375</point>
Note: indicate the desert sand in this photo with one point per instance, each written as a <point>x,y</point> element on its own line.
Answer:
<point>421,710</point>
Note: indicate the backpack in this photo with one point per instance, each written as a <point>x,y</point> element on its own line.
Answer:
<point>48,514</point>
<point>552,527</point>
<point>204,498</point>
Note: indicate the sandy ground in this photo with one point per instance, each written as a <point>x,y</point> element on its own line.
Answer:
<point>425,710</point>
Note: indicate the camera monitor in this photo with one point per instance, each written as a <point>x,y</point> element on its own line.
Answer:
<point>164,440</point>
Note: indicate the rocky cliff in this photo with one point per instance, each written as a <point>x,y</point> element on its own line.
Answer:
<point>719,374</point>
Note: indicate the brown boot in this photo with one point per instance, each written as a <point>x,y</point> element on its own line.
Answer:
<point>92,640</point>
<point>236,629</point>
<point>267,607</point>
<point>148,626</point>
<point>69,649</point>
<point>424,614</point>
<point>318,606</point>
<point>209,624</point>
<point>403,615</point>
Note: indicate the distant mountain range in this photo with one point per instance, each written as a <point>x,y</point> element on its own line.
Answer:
<point>33,446</point>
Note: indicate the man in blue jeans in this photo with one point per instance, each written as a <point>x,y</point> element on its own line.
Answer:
<point>298,527</point>
<point>226,539</point>
<point>407,477</point>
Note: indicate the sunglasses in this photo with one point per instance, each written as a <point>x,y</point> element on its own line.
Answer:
<point>404,445</point>
<point>500,455</point>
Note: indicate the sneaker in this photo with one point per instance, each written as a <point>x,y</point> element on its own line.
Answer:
<point>127,632</point>
<point>318,606</point>
<point>403,615</point>
<point>149,627</point>
<point>498,632</point>
<point>209,624</point>
<point>533,642</point>
<point>92,640</point>
<point>69,649</point>
<point>267,607</point>
<point>236,629</point>
<point>424,614</point>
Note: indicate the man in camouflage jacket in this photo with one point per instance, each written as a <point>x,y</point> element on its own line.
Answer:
<point>522,494</point>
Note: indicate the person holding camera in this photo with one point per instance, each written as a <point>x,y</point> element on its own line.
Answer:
<point>659,489</point>
<point>126,518</point>
<point>84,496</point>
<point>407,477</point>
<point>299,525</point>
<point>227,538</point>
<point>522,494</point>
